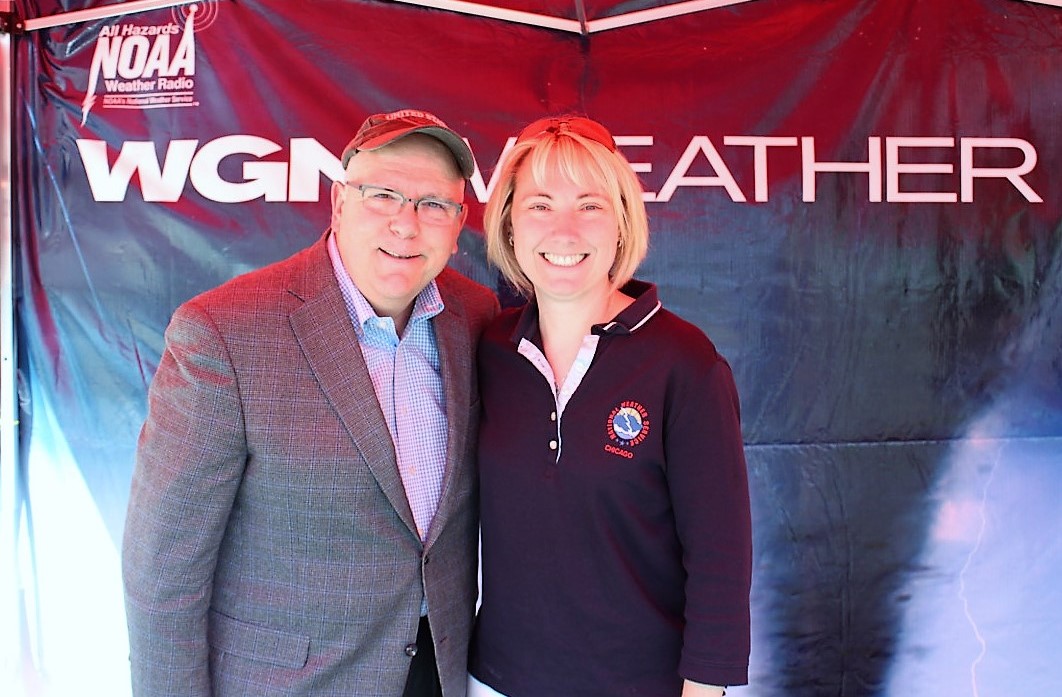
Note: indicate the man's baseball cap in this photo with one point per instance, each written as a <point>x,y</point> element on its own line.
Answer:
<point>380,129</point>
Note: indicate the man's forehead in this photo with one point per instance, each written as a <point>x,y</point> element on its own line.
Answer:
<point>412,151</point>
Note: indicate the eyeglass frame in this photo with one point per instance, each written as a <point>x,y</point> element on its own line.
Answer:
<point>403,200</point>
<point>580,125</point>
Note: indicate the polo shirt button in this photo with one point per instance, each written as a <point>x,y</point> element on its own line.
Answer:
<point>411,650</point>
<point>553,445</point>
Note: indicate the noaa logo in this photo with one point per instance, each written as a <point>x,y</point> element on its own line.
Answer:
<point>628,424</point>
<point>147,66</point>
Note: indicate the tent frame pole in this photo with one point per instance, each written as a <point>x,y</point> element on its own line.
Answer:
<point>9,442</point>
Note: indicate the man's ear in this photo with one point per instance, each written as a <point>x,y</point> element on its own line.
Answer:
<point>338,199</point>
<point>460,226</point>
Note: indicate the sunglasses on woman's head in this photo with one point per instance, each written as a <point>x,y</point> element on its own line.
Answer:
<point>580,125</point>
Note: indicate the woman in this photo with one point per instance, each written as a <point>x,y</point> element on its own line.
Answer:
<point>614,495</point>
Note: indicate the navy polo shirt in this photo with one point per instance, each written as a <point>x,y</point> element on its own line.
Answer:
<point>615,530</point>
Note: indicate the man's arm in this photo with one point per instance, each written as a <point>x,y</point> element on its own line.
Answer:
<point>190,458</point>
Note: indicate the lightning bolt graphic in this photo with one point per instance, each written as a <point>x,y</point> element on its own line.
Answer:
<point>90,93</point>
<point>962,578</point>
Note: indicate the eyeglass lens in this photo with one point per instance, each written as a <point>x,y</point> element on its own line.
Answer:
<point>387,202</point>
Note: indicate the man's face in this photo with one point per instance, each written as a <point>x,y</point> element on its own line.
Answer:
<point>391,258</point>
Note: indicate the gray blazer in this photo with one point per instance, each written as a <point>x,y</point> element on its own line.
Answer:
<point>269,548</point>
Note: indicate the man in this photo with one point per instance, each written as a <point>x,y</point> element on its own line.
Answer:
<point>302,516</point>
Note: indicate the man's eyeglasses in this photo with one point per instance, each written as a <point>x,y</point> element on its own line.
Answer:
<point>587,128</point>
<point>430,210</point>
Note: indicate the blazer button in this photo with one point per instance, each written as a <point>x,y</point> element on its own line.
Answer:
<point>411,650</point>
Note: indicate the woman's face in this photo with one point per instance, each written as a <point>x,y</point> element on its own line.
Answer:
<point>565,235</point>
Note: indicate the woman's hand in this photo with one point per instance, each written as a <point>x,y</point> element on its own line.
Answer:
<point>697,689</point>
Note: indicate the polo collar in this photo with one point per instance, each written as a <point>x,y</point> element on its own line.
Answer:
<point>631,319</point>
<point>634,316</point>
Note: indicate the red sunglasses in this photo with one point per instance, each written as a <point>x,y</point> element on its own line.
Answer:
<point>585,127</point>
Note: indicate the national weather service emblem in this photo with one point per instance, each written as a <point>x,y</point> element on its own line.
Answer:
<point>628,424</point>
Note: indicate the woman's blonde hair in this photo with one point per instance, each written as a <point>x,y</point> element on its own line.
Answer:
<point>583,151</point>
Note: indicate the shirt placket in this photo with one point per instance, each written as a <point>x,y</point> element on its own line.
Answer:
<point>561,397</point>
<point>423,496</point>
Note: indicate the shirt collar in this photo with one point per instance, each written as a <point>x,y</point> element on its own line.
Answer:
<point>427,304</point>
<point>634,316</point>
<point>631,319</point>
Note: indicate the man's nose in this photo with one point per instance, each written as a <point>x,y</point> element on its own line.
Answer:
<point>405,222</point>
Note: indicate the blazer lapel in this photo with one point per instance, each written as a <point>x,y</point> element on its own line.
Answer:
<point>455,360</point>
<point>324,331</point>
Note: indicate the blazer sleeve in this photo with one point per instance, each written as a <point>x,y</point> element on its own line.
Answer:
<point>190,459</point>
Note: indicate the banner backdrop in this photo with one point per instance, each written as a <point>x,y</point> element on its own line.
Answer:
<point>858,201</point>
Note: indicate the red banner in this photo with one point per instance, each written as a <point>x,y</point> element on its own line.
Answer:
<point>855,200</point>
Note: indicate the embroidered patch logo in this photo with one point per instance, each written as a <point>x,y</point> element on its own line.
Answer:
<point>628,424</point>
